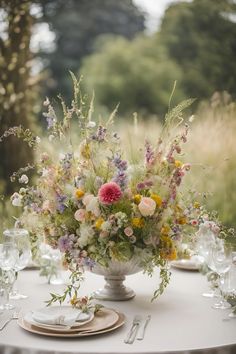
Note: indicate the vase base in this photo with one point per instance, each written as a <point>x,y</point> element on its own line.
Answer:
<point>108,295</point>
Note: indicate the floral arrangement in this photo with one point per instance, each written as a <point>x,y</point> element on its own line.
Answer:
<point>94,205</point>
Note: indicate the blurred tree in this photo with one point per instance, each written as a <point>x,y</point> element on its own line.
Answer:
<point>77,23</point>
<point>15,85</point>
<point>137,73</point>
<point>200,37</point>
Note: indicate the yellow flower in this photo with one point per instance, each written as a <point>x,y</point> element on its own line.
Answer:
<point>137,222</point>
<point>165,229</point>
<point>99,223</point>
<point>178,163</point>
<point>157,199</point>
<point>196,205</point>
<point>182,220</point>
<point>79,193</point>
<point>137,198</point>
<point>178,209</point>
<point>85,151</point>
<point>170,255</point>
<point>73,300</point>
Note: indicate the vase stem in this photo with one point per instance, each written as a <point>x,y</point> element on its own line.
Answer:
<point>114,289</point>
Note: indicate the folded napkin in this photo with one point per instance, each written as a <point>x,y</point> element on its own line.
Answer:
<point>60,316</point>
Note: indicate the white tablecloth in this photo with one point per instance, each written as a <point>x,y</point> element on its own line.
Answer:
<point>182,320</point>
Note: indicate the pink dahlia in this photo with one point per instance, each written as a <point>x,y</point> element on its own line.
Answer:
<point>109,193</point>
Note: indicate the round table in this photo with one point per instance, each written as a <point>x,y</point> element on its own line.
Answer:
<point>182,321</point>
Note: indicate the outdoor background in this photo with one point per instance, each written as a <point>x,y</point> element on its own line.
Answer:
<point>131,53</point>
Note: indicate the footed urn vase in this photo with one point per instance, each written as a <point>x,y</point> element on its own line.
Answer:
<point>114,274</point>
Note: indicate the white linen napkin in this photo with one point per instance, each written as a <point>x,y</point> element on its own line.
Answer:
<point>60,316</point>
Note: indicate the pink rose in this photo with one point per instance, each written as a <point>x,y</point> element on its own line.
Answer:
<point>147,206</point>
<point>128,231</point>
<point>80,215</point>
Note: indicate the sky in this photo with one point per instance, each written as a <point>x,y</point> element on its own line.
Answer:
<point>155,10</point>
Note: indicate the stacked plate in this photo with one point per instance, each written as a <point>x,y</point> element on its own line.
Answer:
<point>194,263</point>
<point>65,321</point>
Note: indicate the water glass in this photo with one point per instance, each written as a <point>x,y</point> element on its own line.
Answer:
<point>20,238</point>
<point>229,289</point>
<point>220,262</point>
<point>203,249</point>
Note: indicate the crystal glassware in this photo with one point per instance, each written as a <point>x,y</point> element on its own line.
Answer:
<point>203,249</point>
<point>20,238</point>
<point>220,262</point>
<point>8,258</point>
<point>229,289</point>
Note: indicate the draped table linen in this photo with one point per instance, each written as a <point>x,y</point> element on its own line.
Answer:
<point>183,321</point>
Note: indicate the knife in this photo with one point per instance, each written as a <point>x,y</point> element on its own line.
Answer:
<point>143,327</point>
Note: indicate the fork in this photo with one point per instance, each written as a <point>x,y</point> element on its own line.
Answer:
<point>133,331</point>
<point>14,316</point>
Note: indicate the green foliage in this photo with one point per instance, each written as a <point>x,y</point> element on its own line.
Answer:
<point>17,89</point>
<point>77,23</point>
<point>137,73</point>
<point>200,37</point>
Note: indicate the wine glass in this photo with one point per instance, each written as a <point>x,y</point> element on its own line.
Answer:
<point>8,258</point>
<point>20,238</point>
<point>220,262</point>
<point>229,289</point>
<point>203,249</point>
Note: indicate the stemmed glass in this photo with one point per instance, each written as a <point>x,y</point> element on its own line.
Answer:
<point>8,257</point>
<point>203,250</point>
<point>20,238</point>
<point>229,289</point>
<point>220,262</point>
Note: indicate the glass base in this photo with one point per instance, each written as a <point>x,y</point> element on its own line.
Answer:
<point>9,307</point>
<point>18,296</point>
<point>211,294</point>
<point>221,306</point>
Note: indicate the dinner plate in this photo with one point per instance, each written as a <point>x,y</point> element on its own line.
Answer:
<point>187,264</point>
<point>28,317</point>
<point>74,334</point>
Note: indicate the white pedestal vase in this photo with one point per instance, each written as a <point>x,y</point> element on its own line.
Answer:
<point>114,274</point>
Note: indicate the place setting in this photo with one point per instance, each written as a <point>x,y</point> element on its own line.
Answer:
<point>66,321</point>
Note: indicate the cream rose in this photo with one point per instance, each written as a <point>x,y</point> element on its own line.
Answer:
<point>147,206</point>
<point>80,215</point>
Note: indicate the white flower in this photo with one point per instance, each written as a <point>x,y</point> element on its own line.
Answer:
<point>106,226</point>
<point>24,179</point>
<point>91,203</point>
<point>16,200</point>
<point>45,172</point>
<point>38,140</point>
<point>91,124</point>
<point>86,233</point>
<point>22,191</point>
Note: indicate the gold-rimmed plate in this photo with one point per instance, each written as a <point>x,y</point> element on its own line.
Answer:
<point>100,328</point>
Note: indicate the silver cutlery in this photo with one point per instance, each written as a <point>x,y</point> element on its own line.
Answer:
<point>142,328</point>
<point>134,329</point>
<point>14,316</point>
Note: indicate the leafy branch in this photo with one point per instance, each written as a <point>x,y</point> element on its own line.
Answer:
<point>71,290</point>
